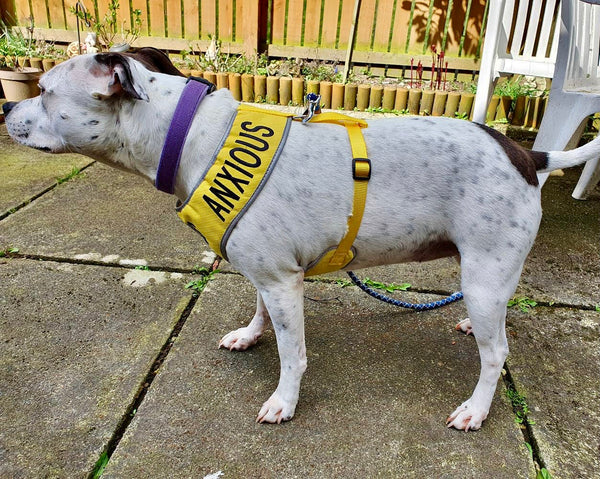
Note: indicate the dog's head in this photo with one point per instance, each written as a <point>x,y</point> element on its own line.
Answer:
<point>81,99</point>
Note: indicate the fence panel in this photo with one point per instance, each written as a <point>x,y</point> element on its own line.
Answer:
<point>330,19</point>
<point>397,26</point>
<point>387,31</point>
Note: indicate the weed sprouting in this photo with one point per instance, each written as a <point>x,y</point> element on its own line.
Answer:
<point>523,303</point>
<point>198,285</point>
<point>74,173</point>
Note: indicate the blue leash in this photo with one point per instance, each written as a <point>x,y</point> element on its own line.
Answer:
<point>417,307</point>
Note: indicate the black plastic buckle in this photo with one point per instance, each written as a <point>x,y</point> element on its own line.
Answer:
<point>211,86</point>
<point>361,176</point>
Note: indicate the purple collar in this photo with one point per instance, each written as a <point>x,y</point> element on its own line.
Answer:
<point>193,93</point>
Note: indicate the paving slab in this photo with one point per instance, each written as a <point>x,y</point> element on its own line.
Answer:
<point>379,385</point>
<point>77,342</point>
<point>564,263</point>
<point>27,172</point>
<point>109,216</point>
<point>555,362</point>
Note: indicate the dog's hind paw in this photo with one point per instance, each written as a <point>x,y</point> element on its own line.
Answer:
<point>464,326</point>
<point>466,417</point>
<point>240,339</point>
<point>276,410</point>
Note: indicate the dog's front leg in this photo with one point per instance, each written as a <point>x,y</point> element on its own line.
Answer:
<point>242,338</point>
<point>285,302</point>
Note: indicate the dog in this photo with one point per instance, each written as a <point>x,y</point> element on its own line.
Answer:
<point>439,187</point>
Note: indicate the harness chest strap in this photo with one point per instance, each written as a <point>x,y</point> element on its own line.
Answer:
<point>213,209</point>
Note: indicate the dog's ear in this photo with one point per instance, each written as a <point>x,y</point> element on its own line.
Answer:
<point>116,69</point>
<point>154,60</point>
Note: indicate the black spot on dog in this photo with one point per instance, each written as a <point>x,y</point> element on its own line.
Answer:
<point>525,161</point>
<point>93,122</point>
<point>28,122</point>
<point>152,79</point>
<point>95,137</point>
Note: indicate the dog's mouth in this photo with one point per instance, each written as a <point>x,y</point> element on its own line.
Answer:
<point>45,149</point>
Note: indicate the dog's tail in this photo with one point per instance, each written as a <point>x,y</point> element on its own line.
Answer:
<point>565,159</point>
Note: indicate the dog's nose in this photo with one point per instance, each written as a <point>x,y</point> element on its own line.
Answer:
<point>8,106</point>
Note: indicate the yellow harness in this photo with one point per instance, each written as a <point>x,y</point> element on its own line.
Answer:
<point>241,169</point>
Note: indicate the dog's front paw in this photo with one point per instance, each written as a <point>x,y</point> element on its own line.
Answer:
<point>276,410</point>
<point>466,417</point>
<point>240,339</point>
<point>465,326</point>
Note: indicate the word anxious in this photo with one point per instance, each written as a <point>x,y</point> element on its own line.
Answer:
<point>239,168</point>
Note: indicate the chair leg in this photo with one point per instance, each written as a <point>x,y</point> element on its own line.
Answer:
<point>590,177</point>
<point>562,120</point>
<point>485,89</point>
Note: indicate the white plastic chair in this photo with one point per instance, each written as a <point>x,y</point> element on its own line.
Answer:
<point>521,38</point>
<point>575,91</point>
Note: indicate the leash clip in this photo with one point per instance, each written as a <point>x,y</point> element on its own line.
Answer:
<point>313,107</point>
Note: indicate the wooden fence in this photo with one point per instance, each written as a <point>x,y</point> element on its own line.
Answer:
<point>388,32</point>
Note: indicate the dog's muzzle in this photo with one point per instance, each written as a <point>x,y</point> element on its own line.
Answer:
<point>8,106</point>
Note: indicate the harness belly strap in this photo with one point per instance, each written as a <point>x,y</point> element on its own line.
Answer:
<point>334,260</point>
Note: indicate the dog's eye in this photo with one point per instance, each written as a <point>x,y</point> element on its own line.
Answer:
<point>42,89</point>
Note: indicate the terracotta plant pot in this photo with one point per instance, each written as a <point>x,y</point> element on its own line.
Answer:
<point>48,63</point>
<point>36,62</point>
<point>20,84</point>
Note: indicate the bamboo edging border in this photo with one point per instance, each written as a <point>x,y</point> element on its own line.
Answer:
<point>286,91</point>
<point>524,111</point>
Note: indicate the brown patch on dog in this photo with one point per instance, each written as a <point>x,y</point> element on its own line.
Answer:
<point>435,250</point>
<point>526,162</point>
<point>154,60</point>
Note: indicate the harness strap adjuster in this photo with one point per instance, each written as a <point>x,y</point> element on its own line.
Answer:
<point>361,169</point>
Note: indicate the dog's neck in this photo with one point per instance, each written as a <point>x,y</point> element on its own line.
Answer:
<point>143,128</point>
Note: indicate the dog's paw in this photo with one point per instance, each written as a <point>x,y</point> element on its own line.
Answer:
<point>240,339</point>
<point>466,417</point>
<point>276,410</point>
<point>465,326</point>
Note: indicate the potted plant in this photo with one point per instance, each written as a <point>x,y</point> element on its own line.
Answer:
<point>18,82</point>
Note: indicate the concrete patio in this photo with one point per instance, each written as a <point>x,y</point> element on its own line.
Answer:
<point>103,364</point>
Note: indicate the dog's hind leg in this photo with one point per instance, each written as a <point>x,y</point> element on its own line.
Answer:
<point>487,288</point>
<point>242,338</point>
<point>285,303</point>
